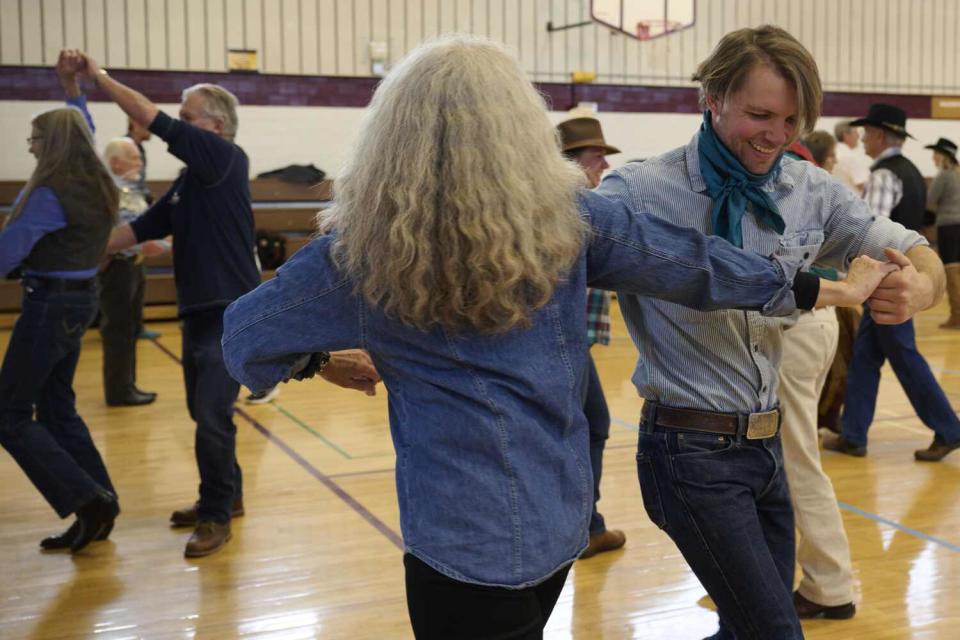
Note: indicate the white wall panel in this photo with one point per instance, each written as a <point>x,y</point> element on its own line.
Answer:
<point>178,47</point>
<point>53,29</point>
<point>136,29</point>
<point>907,46</point>
<point>31,41</point>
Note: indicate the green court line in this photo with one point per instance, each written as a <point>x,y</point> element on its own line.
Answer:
<point>303,425</point>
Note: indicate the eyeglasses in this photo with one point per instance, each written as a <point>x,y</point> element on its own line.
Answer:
<point>33,139</point>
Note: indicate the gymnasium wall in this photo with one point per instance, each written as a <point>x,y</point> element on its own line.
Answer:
<point>888,49</point>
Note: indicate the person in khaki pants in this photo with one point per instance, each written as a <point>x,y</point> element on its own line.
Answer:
<point>823,553</point>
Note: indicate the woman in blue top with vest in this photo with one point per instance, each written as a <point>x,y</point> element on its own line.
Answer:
<point>57,234</point>
<point>458,255</point>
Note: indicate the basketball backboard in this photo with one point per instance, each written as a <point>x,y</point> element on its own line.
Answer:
<point>644,19</point>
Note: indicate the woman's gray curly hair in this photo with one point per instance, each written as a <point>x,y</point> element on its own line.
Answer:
<point>457,208</point>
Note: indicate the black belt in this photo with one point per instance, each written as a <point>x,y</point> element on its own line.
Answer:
<point>58,284</point>
<point>755,426</point>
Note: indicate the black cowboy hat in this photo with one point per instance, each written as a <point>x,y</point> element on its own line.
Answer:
<point>946,147</point>
<point>885,116</point>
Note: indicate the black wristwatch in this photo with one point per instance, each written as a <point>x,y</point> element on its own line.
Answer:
<point>314,364</point>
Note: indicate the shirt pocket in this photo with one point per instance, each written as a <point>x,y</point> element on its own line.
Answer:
<point>801,246</point>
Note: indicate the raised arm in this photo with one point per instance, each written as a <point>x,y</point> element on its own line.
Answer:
<point>136,105</point>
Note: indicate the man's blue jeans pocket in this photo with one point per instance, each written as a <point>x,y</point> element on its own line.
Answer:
<point>647,448</point>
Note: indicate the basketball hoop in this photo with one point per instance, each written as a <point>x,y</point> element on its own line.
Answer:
<point>648,29</point>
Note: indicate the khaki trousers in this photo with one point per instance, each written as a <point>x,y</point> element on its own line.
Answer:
<point>823,552</point>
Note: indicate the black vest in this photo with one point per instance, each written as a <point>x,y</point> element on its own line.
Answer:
<point>79,245</point>
<point>909,211</point>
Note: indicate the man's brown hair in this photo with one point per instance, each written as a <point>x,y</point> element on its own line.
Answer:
<point>725,70</point>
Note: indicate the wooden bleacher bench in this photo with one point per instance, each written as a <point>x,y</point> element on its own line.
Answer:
<point>278,207</point>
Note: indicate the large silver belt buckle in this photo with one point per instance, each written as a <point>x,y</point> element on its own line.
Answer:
<point>763,425</point>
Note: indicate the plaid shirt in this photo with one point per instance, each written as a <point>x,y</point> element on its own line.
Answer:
<point>884,189</point>
<point>598,316</point>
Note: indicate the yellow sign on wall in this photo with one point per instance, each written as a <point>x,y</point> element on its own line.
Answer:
<point>242,59</point>
<point>947,107</point>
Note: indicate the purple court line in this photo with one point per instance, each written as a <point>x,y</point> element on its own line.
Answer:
<point>348,474</point>
<point>324,479</point>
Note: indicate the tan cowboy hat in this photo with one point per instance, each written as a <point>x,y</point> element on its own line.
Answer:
<point>579,133</point>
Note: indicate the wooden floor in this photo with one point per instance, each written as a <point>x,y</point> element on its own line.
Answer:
<point>318,554</point>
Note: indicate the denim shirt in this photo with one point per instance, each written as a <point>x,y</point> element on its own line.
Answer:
<point>730,358</point>
<point>492,470</point>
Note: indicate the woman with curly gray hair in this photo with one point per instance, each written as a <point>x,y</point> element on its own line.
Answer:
<point>458,254</point>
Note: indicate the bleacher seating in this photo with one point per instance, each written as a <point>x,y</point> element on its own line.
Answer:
<point>280,207</point>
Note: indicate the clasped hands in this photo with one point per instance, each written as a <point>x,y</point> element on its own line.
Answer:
<point>74,61</point>
<point>895,291</point>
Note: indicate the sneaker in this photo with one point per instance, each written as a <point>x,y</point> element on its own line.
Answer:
<point>605,541</point>
<point>262,397</point>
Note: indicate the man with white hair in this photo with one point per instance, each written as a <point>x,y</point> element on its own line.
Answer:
<point>123,282</point>
<point>852,167</point>
<point>208,212</point>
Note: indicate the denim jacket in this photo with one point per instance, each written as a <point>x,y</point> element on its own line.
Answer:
<point>493,472</point>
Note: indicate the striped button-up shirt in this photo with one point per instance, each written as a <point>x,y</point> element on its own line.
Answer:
<point>727,361</point>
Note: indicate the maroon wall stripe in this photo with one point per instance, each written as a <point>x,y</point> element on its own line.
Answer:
<point>40,83</point>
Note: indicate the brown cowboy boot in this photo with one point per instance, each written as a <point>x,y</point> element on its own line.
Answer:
<point>953,295</point>
<point>187,517</point>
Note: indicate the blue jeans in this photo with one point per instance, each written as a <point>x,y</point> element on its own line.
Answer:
<point>211,393</point>
<point>724,501</point>
<point>897,343</point>
<point>55,449</point>
<point>598,420</point>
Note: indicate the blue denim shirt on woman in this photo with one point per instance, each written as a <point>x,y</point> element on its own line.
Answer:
<point>493,473</point>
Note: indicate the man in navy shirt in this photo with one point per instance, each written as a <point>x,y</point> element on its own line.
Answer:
<point>208,212</point>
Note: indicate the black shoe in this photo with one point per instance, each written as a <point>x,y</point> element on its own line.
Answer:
<point>65,539</point>
<point>807,609</point>
<point>937,450</point>
<point>132,398</point>
<point>842,445</point>
<point>94,519</point>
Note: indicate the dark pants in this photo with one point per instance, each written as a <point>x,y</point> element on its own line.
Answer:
<point>897,343</point>
<point>121,314</point>
<point>446,609</point>
<point>598,420</point>
<point>725,503</point>
<point>948,243</point>
<point>55,449</point>
<point>211,393</point>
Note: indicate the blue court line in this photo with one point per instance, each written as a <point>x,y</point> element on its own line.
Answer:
<point>633,426</point>
<point>849,507</point>
<point>897,525</point>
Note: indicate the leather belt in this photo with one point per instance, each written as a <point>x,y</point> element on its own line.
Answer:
<point>58,284</point>
<point>756,426</point>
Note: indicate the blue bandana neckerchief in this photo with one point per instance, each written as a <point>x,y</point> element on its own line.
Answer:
<point>731,186</point>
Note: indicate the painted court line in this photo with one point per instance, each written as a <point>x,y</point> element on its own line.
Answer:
<point>324,479</point>
<point>898,526</point>
<point>300,423</point>
<point>850,507</point>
